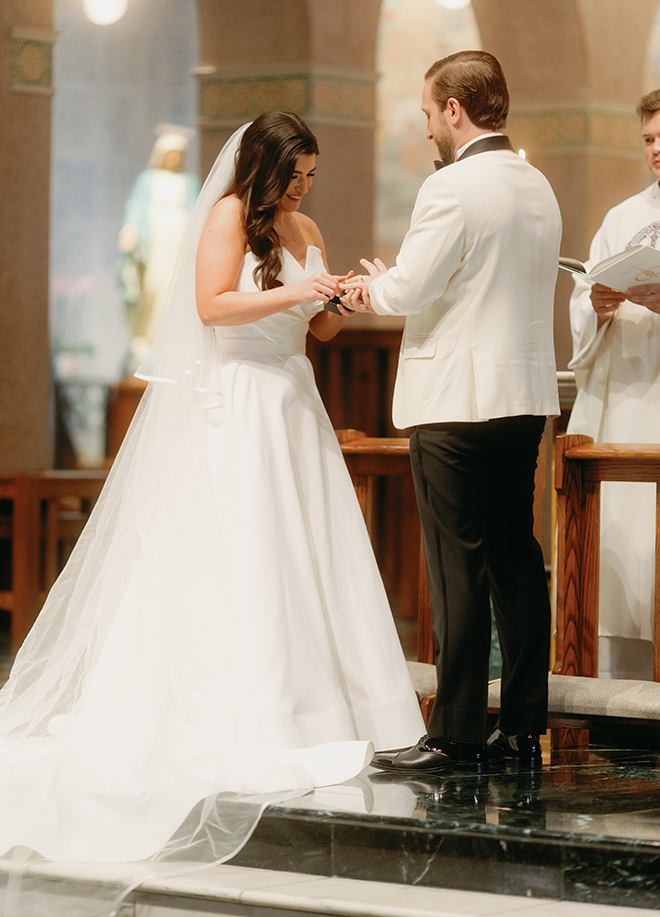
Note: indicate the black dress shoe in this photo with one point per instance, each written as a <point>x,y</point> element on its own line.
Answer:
<point>431,756</point>
<point>524,748</point>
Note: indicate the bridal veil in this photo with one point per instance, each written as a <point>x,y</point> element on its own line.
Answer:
<point>86,772</point>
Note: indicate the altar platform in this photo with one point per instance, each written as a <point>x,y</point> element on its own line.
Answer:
<point>585,827</point>
<point>571,839</point>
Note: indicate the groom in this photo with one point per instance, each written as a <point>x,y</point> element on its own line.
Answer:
<point>475,279</point>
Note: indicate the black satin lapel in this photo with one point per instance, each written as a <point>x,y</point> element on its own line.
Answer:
<point>500,142</point>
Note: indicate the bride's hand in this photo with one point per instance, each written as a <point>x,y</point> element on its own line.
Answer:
<point>321,286</point>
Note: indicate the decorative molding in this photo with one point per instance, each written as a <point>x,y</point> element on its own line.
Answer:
<point>280,69</point>
<point>227,100</point>
<point>31,67</point>
<point>598,128</point>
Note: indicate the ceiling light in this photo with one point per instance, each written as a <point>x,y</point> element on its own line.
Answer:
<point>104,12</point>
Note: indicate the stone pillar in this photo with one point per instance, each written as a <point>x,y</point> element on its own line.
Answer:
<point>575,72</point>
<point>312,58</point>
<point>26,40</point>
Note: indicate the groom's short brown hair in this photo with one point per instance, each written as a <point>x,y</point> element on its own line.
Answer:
<point>475,79</point>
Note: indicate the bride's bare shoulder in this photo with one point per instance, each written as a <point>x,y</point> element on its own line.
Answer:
<point>225,219</point>
<point>229,207</point>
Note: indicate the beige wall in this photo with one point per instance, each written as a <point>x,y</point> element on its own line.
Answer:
<point>25,103</point>
<point>575,70</point>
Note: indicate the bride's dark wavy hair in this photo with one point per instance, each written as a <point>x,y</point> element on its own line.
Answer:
<point>265,163</point>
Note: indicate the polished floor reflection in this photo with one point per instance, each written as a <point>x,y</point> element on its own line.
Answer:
<point>584,827</point>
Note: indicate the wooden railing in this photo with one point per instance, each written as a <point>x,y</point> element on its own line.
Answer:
<point>580,466</point>
<point>368,458</point>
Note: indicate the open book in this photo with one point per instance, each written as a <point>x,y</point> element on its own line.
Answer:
<point>630,268</point>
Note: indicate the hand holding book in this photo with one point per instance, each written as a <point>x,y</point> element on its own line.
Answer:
<point>635,266</point>
<point>647,295</point>
<point>605,302</point>
<point>633,274</point>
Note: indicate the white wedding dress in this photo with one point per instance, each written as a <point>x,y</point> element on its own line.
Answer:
<point>220,619</point>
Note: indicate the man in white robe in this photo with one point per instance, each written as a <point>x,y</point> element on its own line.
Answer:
<point>616,347</point>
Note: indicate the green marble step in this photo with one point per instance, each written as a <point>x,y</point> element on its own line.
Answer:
<point>586,827</point>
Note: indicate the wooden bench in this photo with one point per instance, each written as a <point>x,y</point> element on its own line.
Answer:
<point>578,705</point>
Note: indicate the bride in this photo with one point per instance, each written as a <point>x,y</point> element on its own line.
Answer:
<point>221,633</point>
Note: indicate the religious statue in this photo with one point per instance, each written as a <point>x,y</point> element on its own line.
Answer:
<point>155,219</point>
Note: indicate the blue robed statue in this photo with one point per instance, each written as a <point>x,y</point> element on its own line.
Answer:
<point>155,219</point>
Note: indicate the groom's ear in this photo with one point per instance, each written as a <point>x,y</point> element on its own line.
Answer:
<point>453,111</point>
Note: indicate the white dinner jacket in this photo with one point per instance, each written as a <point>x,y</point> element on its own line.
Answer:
<point>475,278</point>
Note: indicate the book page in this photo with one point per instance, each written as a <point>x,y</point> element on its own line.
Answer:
<point>634,267</point>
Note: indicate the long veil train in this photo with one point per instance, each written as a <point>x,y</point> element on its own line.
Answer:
<point>102,755</point>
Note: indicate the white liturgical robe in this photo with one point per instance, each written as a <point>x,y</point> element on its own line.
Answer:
<point>618,374</point>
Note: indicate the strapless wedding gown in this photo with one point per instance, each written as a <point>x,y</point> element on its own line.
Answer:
<point>232,638</point>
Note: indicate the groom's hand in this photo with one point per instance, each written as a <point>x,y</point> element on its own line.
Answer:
<point>356,295</point>
<point>373,270</point>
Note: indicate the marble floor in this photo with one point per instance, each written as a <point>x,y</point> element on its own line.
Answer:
<point>575,838</point>
<point>585,827</point>
<point>579,837</point>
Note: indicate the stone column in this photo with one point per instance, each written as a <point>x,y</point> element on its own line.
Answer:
<point>315,59</point>
<point>26,40</point>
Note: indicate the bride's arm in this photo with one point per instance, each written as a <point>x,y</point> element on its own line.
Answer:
<point>220,256</point>
<point>324,325</point>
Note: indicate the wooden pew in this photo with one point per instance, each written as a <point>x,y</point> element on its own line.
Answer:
<point>21,598</point>
<point>47,507</point>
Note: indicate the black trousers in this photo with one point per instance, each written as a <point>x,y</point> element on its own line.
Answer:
<point>474,484</point>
